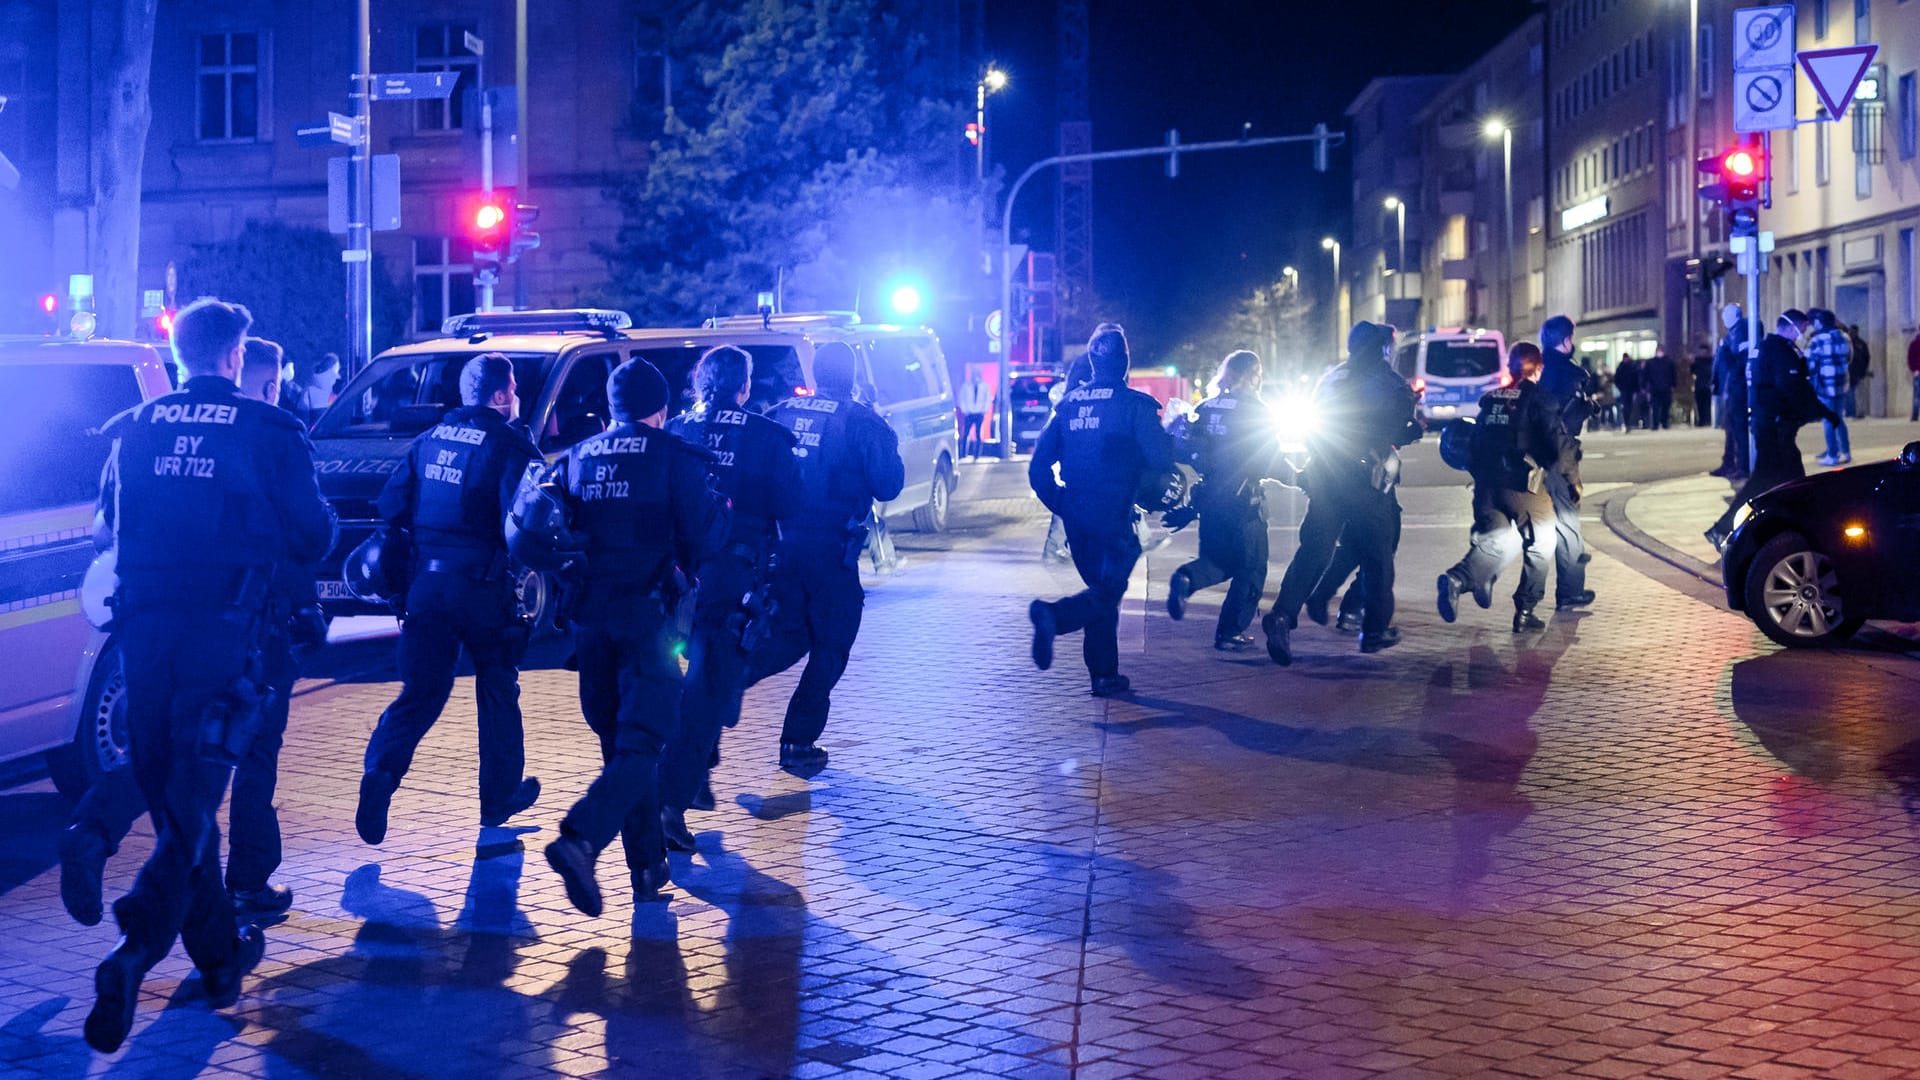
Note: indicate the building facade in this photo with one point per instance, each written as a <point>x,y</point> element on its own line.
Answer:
<point>1381,268</point>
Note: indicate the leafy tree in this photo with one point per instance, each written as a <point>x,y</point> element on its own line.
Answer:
<point>819,147</point>
<point>289,277</point>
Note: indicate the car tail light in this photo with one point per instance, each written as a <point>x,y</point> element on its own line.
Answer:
<point>1420,385</point>
<point>1506,380</point>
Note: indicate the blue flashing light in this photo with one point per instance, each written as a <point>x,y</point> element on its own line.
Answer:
<point>904,299</point>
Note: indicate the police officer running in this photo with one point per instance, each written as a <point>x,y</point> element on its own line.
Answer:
<point>1566,386</point>
<point>1107,439</point>
<point>848,459</point>
<point>1366,413</point>
<point>639,499</point>
<point>204,493</point>
<point>752,464</point>
<point>1232,443</point>
<point>452,491</point>
<point>1517,433</point>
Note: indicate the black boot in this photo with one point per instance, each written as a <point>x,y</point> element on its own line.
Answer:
<point>1279,649</point>
<point>523,797</point>
<point>1524,620</point>
<point>1179,587</point>
<point>1044,631</point>
<point>222,984</point>
<point>572,859</point>
<point>83,862</point>
<point>673,827</point>
<point>116,988</point>
<point>376,796</point>
<point>1385,639</point>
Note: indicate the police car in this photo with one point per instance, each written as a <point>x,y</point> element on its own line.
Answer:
<point>63,693</point>
<point>1451,368</point>
<point>561,361</point>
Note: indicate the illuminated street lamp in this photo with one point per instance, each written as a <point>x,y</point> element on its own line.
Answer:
<point>1399,209</point>
<point>1328,243</point>
<point>994,81</point>
<point>1497,128</point>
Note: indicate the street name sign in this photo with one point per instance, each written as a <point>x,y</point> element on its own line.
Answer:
<point>1836,74</point>
<point>414,85</point>
<point>338,130</point>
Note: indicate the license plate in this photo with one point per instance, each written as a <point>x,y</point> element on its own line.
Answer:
<point>333,590</point>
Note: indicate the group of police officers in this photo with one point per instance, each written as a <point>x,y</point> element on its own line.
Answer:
<point>211,521</point>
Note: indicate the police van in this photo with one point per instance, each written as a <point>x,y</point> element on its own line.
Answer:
<point>561,361</point>
<point>63,693</point>
<point>1451,368</point>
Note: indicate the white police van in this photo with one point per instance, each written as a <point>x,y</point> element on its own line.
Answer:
<point>1451,368</point>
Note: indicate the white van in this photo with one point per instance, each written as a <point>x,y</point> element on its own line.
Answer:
<point>1450,369</point>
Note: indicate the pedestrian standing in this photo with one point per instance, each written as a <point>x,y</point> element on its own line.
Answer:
<point>1913,371</point>
<point>1784,399</point>
<point>452,492</point>
<point>1660,377</point>
<point>1231,443</point>
<point>1859,371</point>
<point>1517,439</point>
<point>1107,439</point>
<point>1730,391</point>
<point>1366,412</point>
<point>848,459</point>
<point>204,493</point>
<point>1565,387</point>
<point>311,390</point>
<point>1702,370</point>
<point>975,400</point>
<point>1628,383</point>
<point>1829,357</point>
<point>751,463</point>
<point>638,499</point>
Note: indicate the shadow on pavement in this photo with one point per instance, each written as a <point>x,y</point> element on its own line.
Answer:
<point>31,821</point>
<point>1377,749</point>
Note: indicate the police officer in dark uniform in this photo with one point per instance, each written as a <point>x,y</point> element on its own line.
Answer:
<point>1231,442</point>
<point>204,493</point>
<point>453,491</point>
<point>848,459</point>
<point>1516,432</point>
<point>1567,387</point>
<point>1366,413</point>
<point>639,498</point>
<point>1783,400</point>
<point>752,464</point>
<point>1106,438</point>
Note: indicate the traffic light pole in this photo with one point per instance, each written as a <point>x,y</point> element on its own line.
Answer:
<point>483,281</point>
<point>1321,136</point>
<point>359,253</point>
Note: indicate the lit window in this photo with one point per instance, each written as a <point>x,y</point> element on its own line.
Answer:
<point>228,87</point>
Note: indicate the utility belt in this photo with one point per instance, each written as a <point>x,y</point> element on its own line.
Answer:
<point>238,593</point>
<point>232,718</point>
<point>475,567</point>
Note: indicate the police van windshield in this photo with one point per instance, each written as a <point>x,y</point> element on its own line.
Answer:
<point>776,372</point>
<point>1462,359</point>
<point>406,395</point>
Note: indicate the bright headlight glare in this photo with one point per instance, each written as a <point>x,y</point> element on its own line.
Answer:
<point>1294,419</point>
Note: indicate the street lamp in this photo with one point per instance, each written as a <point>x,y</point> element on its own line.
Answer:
<point>994,81</point>
<point>1328,243</point>
<point>1399,209</point>
<point>1497,128</point>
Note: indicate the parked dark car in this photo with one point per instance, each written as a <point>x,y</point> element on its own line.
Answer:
<point>1031,393</point>
<point>1811,560</point>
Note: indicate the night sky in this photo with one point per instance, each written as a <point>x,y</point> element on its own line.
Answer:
<point>1172,254</point>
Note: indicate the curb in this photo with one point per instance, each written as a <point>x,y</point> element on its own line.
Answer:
<point>1613,512</point>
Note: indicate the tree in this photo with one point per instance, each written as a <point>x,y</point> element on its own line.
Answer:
<point>285,275</point>
<point>817,151</point>
<point>121,116</point>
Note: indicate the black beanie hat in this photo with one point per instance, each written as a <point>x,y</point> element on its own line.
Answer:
<point>636,390</point>
<point>1369,340</point>
<point>1107,353</point>
<point>833,366</point>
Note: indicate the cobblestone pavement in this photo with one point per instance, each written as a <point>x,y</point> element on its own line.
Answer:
<point>1643,842</point>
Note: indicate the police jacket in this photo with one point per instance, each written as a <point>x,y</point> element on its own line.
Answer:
<point>1105,437</point>
<point>457,483</point>
<point>1366,411</point>
<point>204,484</point>
<point>1782,392</point>
<point>1518,429</point>
<point>1730,363</point>
<point>751,463</point>
<point>1231,442</point>
<point>848,458</point>
<point>1568,388</point>
<point>639,497</point>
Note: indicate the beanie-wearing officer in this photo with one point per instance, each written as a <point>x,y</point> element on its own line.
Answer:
<point>1106,438</point>
<point>1566,386</point>
<point>1366,413</point>
<point>453,491</point>
<point>1517,431</point>
<point>848,459</point>
<point>1231,442</point>
<point>639,498</point>
<point>106,813</point>
<point>1783,400</point>
<point>752,465</point>
<point>204,492</point>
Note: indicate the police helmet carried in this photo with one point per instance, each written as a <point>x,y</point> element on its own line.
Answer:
<point>1161,491</point>
<point>98,587</point>
<point>1456,443</point>
<point>377,570</point>
<point>537,533</point>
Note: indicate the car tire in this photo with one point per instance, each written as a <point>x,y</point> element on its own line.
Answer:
<point>99,743</point>
<point>932,517</point>
<point>1792,595</point>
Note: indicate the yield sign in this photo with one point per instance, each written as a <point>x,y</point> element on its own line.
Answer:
<point>1836,73</point>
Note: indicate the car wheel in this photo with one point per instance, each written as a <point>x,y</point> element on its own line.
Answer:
<point>100,742</point>
<point>932,517</point>
<point>1793,594</point>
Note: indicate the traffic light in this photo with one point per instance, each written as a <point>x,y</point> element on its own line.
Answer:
<point>1712,184</point>
<point>1743,167</point>
<point>488,220</point>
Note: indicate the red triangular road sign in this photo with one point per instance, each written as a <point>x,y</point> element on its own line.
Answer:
<point>1836,73</point>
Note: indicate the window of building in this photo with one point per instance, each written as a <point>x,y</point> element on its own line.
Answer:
<point>1482,236</point>
<point>1453,303</point>
<point>1676,84</point>
<point>1706,61</point>
<point>1820,19</point>
<point>228,88</point>
<point>652,77</point>
<point>1536,60</point>
<point>1909,122</point>
<point>1862,21</point>
<point>1789,143</point>
<point>1453,237</point>
<point>442,281</point>
<point>1536,288</point>
<point>1862,174</point>
<point>1909,288</point>
<point>443,47</point>
<point>1822,147</point>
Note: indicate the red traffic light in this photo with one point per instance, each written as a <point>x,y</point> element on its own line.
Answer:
<point>487,220</point>
<point>488,217</point>
<point>1741,163</point>
<point>49,303</point>
<point>164,324</point>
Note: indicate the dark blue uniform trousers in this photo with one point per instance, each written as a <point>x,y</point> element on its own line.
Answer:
<point>176,663</point>
<point>716,678</point>
<point>1105,549</point>
<point>1233,547</point>
<point>446,612</point>
<point>630,692</point>
<point>821,602</point>
<point>1343,512</point>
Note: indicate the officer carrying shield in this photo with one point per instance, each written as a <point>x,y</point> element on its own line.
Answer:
<point>639,501</point>
<point>452,491</point>
<point>1517,438</point>
<point>204,493</point>
<point>848,459</point>
<point>752,464</point>
<point>1106,439</point>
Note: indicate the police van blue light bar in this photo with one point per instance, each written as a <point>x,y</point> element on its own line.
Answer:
<point>557,321</point>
